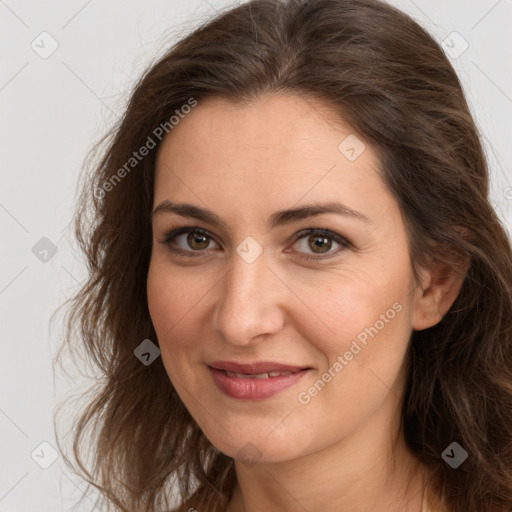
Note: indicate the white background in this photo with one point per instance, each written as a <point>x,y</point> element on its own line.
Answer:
<point>54,109</point>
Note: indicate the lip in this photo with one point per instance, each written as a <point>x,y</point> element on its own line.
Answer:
<point>254,368</point>
<point>249,388</point>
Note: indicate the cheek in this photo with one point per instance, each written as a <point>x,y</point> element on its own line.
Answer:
<point>365,353</point>
<point>172,303</point>
<point>168,302</point>
<point>172,297</point>
<point>161,293</point>
<point>359,306</point>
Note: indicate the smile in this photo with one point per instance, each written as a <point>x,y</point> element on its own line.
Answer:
<point>255,386</point>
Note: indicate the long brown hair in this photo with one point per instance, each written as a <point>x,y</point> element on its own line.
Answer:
<point>391,82</point>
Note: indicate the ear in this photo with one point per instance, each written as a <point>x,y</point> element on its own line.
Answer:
<point>440,286</point>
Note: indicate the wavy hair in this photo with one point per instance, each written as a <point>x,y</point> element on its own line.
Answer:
<point>392,83</point>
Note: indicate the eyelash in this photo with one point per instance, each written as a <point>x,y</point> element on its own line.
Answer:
<point>342,241</point>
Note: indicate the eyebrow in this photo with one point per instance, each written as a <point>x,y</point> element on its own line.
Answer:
<point>277,219</point>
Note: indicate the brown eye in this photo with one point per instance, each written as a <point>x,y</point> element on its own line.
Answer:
<point>317,242</point>
<point>197,240</point>
<point>188,241</point>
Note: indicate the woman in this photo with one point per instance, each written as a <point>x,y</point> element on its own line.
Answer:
<point>299,293</point>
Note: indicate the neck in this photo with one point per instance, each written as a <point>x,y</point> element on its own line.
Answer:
<point>368,470</point>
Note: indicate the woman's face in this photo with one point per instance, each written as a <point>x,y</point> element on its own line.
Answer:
<point>250,283</point>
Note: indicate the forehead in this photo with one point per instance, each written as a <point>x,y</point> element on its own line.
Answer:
<point>274,150</point>
<point>272,126</point>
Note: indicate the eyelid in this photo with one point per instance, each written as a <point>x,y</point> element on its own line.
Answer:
<point>173,232</point>
<point>342,241</point>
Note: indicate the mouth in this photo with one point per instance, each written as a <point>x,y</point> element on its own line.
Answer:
<point>265,375</point>
<point>251,383</point>
<point>256,368</point>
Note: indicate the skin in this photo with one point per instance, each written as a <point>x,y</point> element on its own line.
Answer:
<point>344,449</point>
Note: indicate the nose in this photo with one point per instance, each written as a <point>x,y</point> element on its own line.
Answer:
<point>250,302</point>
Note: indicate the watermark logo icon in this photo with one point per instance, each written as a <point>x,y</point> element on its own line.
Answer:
<point>351,147</point>
<point>44,250</point>
<point>44,45</point>
<point>454,455</point>
<point>249,250</point>
<point>44,455</point>
<point>146,352</point>
<point>454,45</point>
<point>249,455</point>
